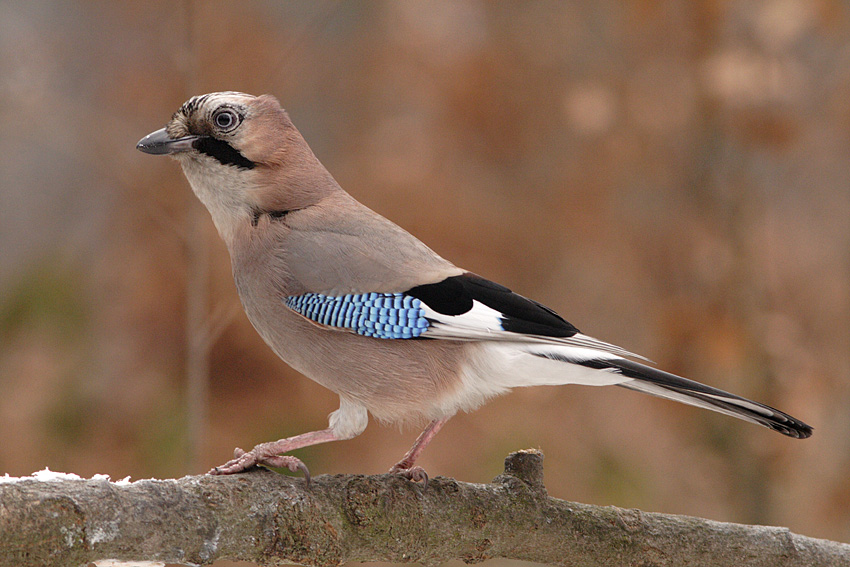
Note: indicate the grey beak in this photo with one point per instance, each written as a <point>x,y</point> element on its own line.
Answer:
<point>158,143</point>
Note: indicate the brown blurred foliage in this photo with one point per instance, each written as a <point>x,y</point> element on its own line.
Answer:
<point>670,176</point>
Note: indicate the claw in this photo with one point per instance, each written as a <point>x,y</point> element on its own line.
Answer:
<point>287,462</point>
<point>303,468</point>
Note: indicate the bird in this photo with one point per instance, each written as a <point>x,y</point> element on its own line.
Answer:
<point>359,305</point>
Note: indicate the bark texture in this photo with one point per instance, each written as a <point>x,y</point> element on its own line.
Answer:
<point>270,519</point>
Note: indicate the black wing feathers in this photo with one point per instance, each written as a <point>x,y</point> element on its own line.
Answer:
<point>455,296</point>
<point>448,297</point>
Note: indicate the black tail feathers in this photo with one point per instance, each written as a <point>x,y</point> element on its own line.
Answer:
<point>663,384</point>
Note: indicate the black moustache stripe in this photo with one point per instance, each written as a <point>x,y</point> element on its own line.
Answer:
<point>223,152</point>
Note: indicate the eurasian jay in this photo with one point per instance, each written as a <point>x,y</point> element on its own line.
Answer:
<point>365,309</point>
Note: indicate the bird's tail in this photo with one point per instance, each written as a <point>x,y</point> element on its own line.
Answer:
<point>665,385</point>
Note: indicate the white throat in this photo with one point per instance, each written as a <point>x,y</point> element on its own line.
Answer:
<point>224,191</point>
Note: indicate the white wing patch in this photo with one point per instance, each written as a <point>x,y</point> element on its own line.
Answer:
<point>482,323</point>
<point>479,323</point>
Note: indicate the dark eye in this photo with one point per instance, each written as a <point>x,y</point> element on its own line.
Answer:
<point>226,119</point>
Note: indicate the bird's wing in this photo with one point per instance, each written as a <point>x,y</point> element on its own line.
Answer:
<point>356,271</point>
<point>465,307</point>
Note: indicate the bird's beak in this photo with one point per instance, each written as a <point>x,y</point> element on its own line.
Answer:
<point>159,143</point>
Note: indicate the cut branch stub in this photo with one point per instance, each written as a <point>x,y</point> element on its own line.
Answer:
<point>525,465</point>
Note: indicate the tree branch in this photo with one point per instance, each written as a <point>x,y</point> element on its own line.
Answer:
<point>269,519</point>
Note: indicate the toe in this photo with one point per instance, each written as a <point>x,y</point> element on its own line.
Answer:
<point>242,462</point>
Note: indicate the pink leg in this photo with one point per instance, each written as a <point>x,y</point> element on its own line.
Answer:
<point>405,465</point>
<point>271,453</point>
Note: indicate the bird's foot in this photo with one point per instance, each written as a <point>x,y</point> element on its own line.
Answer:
<point>412,473</point>
<point>260,455</point>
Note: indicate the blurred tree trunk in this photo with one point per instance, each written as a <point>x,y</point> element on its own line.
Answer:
<point>198,333</point>
<point>727,198</point>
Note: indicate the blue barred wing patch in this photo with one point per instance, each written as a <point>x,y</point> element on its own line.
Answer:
<point>379,315</point>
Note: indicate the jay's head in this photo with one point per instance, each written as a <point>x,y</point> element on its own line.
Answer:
<point>241,154</point>
<point>226,129</point>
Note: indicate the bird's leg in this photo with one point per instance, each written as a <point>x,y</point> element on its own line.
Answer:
<point>405,466</point>
<point>271,454</point>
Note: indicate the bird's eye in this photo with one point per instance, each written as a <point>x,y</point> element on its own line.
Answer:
<point>226,119</point>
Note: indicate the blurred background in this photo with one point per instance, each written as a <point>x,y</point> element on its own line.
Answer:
<point>670,176</point>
